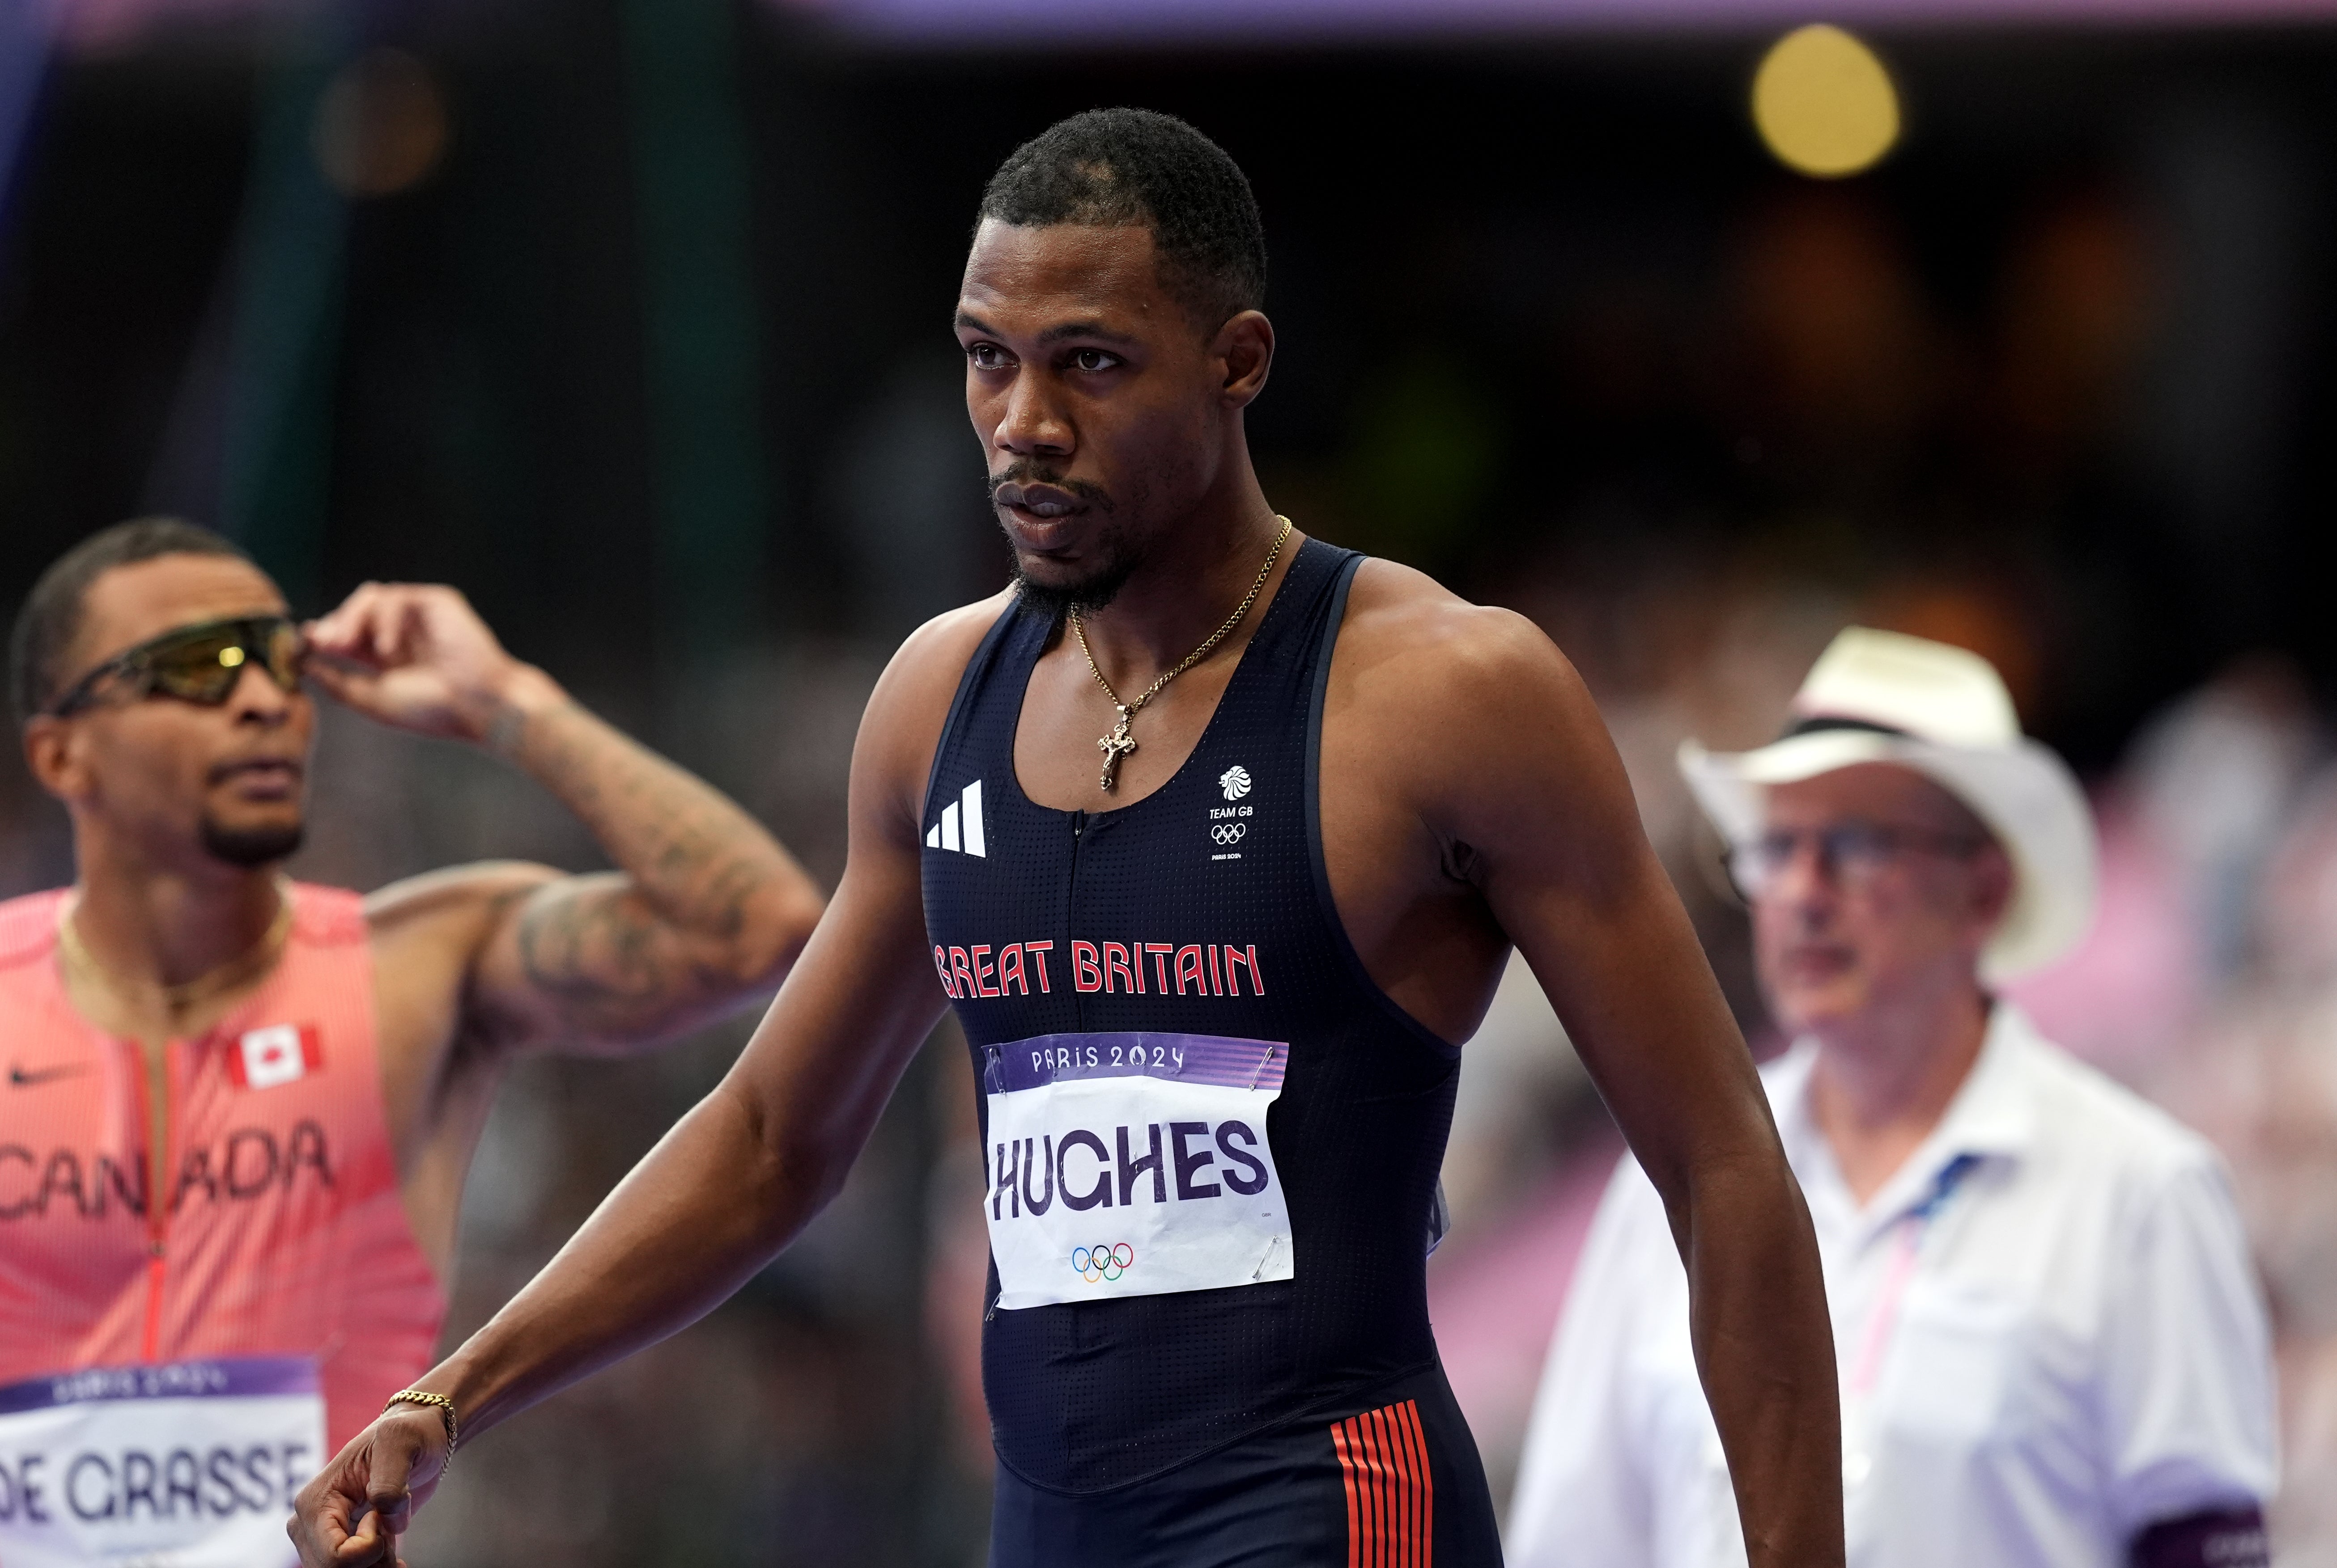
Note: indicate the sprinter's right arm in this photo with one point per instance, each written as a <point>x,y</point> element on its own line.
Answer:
<point>739,1176</point>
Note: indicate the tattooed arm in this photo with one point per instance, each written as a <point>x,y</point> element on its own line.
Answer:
<point>704,911</point>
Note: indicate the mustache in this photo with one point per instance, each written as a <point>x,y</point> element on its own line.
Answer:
<point>1028,471</point>
<point>219,773</point>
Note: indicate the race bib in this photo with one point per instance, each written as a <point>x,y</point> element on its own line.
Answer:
<point>192,1464</point>
<point>1132,1165</point>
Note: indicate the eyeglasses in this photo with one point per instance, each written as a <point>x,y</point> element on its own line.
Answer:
<point>1852,854</point>
<point>199,664</point>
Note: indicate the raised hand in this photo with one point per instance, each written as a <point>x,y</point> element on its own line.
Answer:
<point>352,1514</point>
<point>418,657</point>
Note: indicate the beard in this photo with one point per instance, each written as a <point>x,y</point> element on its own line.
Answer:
<point>249,849</point>
<point>1115,552</point>
<point>1102,583</point>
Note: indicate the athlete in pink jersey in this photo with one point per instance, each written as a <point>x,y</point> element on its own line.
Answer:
<point>282,1225</point>
<point>237,1111</point>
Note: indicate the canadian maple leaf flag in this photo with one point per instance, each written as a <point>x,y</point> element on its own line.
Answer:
<point>278,1054</point>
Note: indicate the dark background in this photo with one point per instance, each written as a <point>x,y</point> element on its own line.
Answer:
<point>1547,298</point>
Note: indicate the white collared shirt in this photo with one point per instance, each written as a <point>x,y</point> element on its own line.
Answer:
<point>2068,1350</point>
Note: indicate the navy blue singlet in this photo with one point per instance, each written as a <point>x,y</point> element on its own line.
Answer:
<point>1296,1420</point>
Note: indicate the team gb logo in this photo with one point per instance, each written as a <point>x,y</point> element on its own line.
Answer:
<point>1235,782</point>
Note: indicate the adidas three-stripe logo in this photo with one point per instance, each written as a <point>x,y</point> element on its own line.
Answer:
<point>960,828</point>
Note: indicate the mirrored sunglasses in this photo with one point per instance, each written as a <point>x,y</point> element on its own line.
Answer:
<point>199,664</point>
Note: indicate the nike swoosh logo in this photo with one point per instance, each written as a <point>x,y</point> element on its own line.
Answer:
<point>23,1080</point>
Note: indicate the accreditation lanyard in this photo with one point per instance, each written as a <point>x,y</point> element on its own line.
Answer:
<point>1906,1249</point>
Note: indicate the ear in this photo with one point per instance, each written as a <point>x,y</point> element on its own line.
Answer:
<point>1245,347</point>
<point>52,757</point>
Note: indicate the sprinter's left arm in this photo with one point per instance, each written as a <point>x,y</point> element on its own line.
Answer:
<point>1508,770</point>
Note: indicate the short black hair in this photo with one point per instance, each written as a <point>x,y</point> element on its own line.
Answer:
<point>1134,167</point>
<point>52,615</point>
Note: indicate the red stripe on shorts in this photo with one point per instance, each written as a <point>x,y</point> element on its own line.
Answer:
<point>1347,1475</point>
<point>1390,1493</point>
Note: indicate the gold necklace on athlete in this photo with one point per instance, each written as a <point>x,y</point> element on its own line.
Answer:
<point>178,998</point>
<point>1120,743</point>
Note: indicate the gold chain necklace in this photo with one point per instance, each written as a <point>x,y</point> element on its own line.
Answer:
<point>179,998</point>
<point>1120,743</point>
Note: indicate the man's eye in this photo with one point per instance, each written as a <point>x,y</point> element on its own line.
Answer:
<point>1858,842</point>
<point>987,356</point>
<point>1094,359</point>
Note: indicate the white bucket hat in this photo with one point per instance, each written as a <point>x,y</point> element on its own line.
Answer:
<point>1882,696</point>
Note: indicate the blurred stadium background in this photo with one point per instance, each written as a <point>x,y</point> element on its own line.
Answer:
<point>628,316</point>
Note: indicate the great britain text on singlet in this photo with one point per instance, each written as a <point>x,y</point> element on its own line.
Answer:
<point>1177,969</point>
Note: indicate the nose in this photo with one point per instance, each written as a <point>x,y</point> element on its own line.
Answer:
<point>1030,425</point>
<point>257,699</point>
<point>1806,880</point>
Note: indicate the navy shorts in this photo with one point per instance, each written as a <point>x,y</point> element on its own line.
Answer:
<point>1392,1481</point>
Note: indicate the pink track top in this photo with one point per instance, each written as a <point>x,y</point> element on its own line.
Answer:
<point>279,1228</point>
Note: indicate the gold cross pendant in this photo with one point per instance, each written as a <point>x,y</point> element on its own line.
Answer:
<point>1114,746</point>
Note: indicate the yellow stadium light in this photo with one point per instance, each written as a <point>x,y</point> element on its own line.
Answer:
<point>1824,102</point>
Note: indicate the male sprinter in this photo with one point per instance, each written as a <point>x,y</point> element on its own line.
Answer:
<point>239,1110</point>
<point>1218,838</point>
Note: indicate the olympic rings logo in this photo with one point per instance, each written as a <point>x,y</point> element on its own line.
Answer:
<point>1229,832</point>
<point>1098,1265</point>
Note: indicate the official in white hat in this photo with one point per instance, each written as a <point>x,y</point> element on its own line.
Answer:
<point>2050,1345</point>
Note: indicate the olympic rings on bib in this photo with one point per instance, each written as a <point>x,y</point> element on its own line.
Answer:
<point>1100,1265</point>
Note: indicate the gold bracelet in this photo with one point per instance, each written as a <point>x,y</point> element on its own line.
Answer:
<point>445,1408</point>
